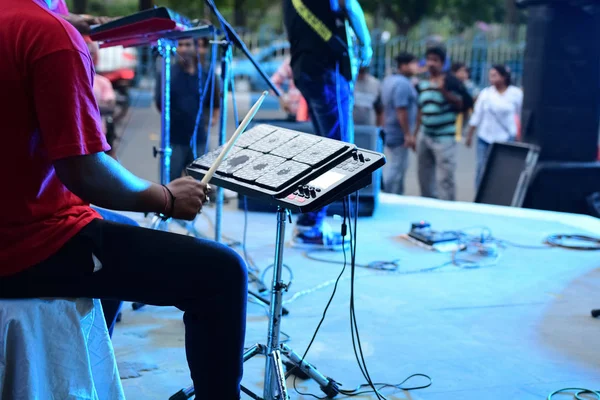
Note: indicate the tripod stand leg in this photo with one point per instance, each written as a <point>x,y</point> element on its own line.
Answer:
<point>328,385</point>
<point>254,351</point>
<point>277,389</point>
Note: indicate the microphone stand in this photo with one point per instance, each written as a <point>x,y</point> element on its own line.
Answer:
<point>231,38</point>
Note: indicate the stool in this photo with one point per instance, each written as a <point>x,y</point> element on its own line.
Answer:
<point>56,348</point>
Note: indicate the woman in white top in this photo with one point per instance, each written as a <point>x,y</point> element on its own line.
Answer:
<point>495,115</point>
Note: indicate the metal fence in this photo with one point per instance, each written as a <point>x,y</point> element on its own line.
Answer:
<point>479,53</point>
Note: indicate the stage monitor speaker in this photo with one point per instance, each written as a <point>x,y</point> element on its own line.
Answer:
<point>561,81</point>
<point>565,187</point>
<point>366,137</point>
<point>506,174</point>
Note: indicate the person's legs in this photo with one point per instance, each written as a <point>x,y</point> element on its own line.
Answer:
<point>206,280</point>
<point>395,169</point>
<point>179,156</point>
<point>426,166</point>
<point>482,150</point>
<point>445,161</point>
<point>329,99</point>
<point>111,308</point>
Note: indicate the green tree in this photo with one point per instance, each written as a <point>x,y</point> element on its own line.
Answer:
<point>237,12</point>
<point>405,14</point>
<point>467,12</point>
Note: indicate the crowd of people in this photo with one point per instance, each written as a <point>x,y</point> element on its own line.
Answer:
<point>429,113</point>
<point>428,106</point>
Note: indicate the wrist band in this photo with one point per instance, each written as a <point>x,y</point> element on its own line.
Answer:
<point>165,209</point>
<point>169,214</point>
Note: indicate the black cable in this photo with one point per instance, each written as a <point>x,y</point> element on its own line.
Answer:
<point>558,241</point>
<point>578,393</point>
<point>375,387</point>
<point>353,319</point>
<point>391,265</point>
<point>357,392</point>
<point>324,312</point>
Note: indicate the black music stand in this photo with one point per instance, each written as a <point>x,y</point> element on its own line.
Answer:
<point>294,171</point>
<point>275,378</point>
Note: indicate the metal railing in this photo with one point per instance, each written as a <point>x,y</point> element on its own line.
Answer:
<point>479,52</point>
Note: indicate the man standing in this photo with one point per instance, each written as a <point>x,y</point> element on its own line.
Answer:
<point>441,98</point>
<point>188,82</point>
<point>399,100</point>
<point>367,98</point>
<point>323,73</point>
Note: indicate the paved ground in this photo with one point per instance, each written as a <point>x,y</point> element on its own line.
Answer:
<point>513,331</point>
<point>516,330</point>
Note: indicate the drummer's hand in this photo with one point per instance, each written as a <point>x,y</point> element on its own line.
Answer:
<point>95,20</point>
<point>190,195</point>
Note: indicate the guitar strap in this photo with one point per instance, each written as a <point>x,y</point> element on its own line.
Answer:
<point>334,41</point>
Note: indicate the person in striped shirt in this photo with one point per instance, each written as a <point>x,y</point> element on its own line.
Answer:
<point>441,98</point>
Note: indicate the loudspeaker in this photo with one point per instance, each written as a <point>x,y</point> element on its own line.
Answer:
<point>561,81</point>
<point>366,137</point>
<point>507,173</point>
<point>565,187</point>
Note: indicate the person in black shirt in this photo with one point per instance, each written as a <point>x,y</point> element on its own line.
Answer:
<point>188,82</point>
<point>325,78</point>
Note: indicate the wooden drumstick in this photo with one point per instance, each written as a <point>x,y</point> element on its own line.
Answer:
<point>238,132</point>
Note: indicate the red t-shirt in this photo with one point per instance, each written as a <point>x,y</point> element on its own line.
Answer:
<point>47,112</point>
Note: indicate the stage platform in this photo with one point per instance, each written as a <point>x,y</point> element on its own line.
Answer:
<point>517,330</point>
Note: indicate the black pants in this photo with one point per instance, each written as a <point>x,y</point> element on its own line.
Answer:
<point>182,155</point>
<point>206,280</point>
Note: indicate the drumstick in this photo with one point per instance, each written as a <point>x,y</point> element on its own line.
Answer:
<point>238,132</point>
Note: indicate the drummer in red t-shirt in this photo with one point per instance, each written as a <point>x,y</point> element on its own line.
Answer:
<point>54,164</point>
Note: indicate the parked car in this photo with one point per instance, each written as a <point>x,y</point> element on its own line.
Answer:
<point>269,58</point>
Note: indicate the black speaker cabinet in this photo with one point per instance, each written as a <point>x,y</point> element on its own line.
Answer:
<point>506,174</point>
<point>366,137</point>
<point>561,81</point>
<point>564,187</point>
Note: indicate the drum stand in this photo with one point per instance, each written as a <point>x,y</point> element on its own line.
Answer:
<point>275,378</point>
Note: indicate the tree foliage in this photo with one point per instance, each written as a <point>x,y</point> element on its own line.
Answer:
<point>407,13</point>
<point>236,11</point>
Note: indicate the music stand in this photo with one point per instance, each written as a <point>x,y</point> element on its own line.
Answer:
<point>275,379</point>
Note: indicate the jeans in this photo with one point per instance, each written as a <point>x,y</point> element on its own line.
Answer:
<point>330,103</point>
<point>182,155</point>
<point>436,158</point>
<point>395,169</point>
<point>206,280</point>
<point>482,153</point>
